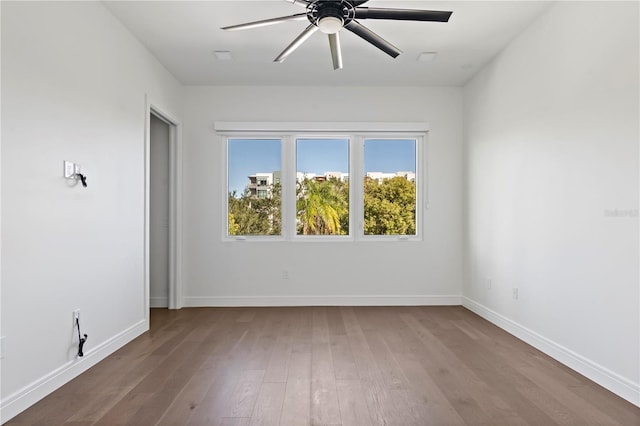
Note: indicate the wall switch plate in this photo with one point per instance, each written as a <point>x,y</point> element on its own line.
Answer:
<point>515,293</point>
<point>69,169</point>
<point>2,338</point>
<point>489,283</point>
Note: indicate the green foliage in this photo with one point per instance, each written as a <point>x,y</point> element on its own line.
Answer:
<point>250,215</point>
<point>322,207</point>
<point>234,227</point>
<point>343,189</point>
<point>389,207</point>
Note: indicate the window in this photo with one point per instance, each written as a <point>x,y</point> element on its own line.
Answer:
<point>254,204</point>
<point>324,185</point>
<point>389,187</point>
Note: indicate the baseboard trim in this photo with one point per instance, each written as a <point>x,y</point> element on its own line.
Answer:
<point>350,300</point>
<point>159,302</point>
<point>606,378</point>
<point>24,398</point>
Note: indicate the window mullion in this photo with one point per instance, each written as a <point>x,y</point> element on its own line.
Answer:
<point>356,204</point>
<point>288,187</point>
<point>422,195</point>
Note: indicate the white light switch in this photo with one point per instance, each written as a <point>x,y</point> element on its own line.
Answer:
<point>69,169</point>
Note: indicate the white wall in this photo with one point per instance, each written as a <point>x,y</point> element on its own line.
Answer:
<point>73,88</point>
<point>219,273</point>
<point>552,139</point>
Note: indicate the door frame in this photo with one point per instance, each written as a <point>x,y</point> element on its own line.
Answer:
<point>175,205</point>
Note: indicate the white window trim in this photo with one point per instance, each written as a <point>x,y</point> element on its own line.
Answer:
<point>357,132</point>
<point>243,127</point>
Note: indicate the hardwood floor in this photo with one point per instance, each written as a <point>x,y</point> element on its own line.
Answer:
<point>328,366</point>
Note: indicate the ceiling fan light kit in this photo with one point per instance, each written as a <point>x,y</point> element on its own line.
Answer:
<point>330,24</point>
<point>330,16</point>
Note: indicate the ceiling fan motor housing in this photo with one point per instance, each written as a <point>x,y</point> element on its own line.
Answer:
<point>330,15</point>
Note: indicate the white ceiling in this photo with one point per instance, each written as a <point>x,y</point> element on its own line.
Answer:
<point>184,34</point>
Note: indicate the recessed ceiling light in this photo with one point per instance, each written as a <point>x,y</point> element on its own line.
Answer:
<point>427,56</point>
<point>223,55</point>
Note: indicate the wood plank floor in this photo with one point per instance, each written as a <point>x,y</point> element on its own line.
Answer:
<point>328,366</point>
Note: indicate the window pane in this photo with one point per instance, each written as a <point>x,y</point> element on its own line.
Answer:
<point>390,187</point>
<point>322,186</point>
<point>254,192</point>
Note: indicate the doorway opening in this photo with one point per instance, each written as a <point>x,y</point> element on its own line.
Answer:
<point>163,286</point>
<point>159,137</point>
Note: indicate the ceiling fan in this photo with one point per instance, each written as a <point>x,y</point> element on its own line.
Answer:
<point>330,16</point>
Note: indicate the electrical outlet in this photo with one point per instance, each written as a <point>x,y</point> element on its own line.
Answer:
<point>76,315</point>
<point>285,274</point>
<point>515,293</point>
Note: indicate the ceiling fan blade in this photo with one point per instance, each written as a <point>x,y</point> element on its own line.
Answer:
<point>266,22</point>
<point>402,14</point>
<point>373,38</point>
<point>336,52</point>
<point>296,43</point>
<point>303,3</point>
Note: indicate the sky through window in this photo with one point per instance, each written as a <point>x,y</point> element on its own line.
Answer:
<point>250,156</point>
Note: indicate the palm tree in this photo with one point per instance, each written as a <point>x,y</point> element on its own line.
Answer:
<point>320,206</point>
